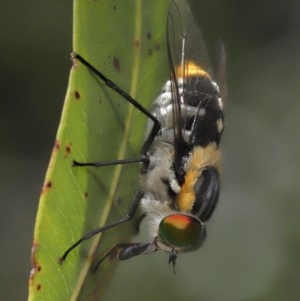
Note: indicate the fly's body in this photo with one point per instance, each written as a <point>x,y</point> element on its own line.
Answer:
<point>180,157</point>
<point>188,185</point>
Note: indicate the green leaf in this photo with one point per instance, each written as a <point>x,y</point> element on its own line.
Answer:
<point>126,41</point>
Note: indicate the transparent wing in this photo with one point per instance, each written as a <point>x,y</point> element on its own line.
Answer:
<point>185,45</point>
<point>189,63</point>
<point>185,39</point>
<point>220,70</point>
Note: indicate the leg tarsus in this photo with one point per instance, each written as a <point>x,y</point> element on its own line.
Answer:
<point>124,251</point>
<point>144,160</point>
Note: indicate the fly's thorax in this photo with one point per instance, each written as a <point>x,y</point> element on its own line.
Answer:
<point>201,175</point>
<point>201,168</point>
<point>156,176</point>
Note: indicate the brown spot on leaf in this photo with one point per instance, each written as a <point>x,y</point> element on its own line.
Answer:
<point>68,150</point>
<point>86,194</point>
<point>116,64</point>
<point>77,94</point>
<point>149,35</point>
<point>38,287</point>
<point>47,185</point>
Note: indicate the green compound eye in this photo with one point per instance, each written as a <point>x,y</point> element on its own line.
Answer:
<point>182,231</point>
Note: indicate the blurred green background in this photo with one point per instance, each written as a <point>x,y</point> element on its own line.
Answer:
<point>253,248</point>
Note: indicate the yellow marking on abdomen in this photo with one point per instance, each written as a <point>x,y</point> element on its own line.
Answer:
<point>191,69</point>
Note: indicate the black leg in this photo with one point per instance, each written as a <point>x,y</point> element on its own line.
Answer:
<point>117,89</point>
<point>128,217</point>
<point>144,160</point>
<point>172,259</point>
<point>124,250</point>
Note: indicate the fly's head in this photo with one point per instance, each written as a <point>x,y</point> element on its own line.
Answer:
<point>180,233</point>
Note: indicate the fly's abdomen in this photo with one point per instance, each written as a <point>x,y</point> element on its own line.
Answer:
<point>206,124</point>
<point>201,109</point>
